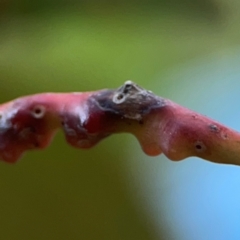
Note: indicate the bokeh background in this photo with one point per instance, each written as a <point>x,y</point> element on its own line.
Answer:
<point>188,51</point>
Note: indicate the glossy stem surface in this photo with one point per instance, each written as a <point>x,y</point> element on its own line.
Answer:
<point>160,125</point>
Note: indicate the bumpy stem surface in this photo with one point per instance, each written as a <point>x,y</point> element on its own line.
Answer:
<point>160,125</point>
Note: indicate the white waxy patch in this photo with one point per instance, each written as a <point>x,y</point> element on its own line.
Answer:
<point>83,113</point>
<point>5,119</point>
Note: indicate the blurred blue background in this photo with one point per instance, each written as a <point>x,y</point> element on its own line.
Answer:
<point>184,50</point>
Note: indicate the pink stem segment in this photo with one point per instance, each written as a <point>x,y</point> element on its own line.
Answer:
<point>160,125</point>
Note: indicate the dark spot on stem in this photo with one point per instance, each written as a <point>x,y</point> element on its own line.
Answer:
<point>38,111</point>
<point>213,128</point>
<point>128,87</point>
<point>120,96</point>
<point>199,146</point>
<point>130,101</point>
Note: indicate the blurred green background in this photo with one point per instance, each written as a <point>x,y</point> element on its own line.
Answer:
<point>181,49</point>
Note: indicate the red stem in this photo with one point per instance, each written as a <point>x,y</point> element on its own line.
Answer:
<point>160,125</point>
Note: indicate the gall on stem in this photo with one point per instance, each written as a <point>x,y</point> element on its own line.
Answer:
<point>160,125</point>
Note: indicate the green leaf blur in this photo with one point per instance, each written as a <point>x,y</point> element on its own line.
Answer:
<point>62,46</point>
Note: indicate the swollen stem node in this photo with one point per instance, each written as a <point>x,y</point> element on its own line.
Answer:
<point>160,125</point>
